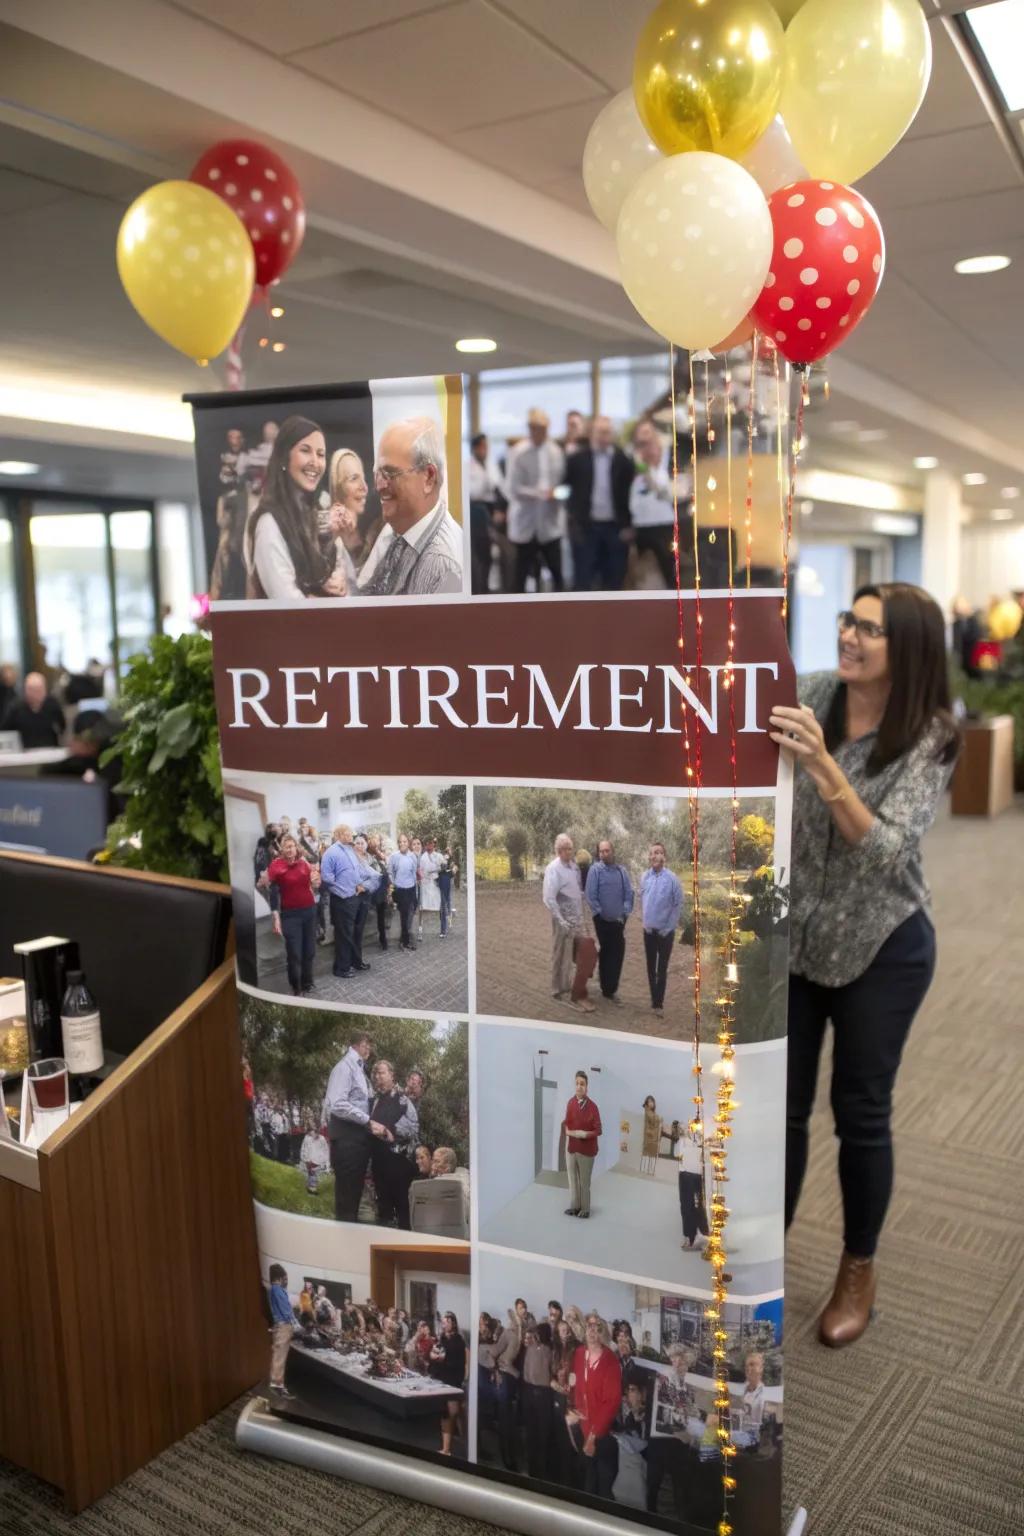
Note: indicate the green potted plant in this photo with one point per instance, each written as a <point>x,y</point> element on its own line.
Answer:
<point>170,754</point>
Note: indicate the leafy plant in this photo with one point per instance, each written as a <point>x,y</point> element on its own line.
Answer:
<point>1003,695</point>
<point>170,755</point>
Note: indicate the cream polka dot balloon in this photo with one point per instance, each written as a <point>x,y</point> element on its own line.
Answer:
<point>616,154</point>
<point>694,240</point>
<point>826,267</point>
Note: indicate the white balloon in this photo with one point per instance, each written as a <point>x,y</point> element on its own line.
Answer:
<point>773,162</point>
<point>695,243</point>
<point>616,154</point>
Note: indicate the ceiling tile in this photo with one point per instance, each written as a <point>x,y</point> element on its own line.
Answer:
<point>534,149</point>
<point>600,35</point>
<point>965,225</point>
<point>282,29</point>
<point>946,166</point>
<point>568,190</point>
<point>451,69</point>
<point>952,100</point>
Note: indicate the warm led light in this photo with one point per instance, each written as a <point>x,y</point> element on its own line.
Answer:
<point>926,461</point>
<point>277,312</point>
<point>1010,492</point>
<point>975,478</point>
<point>476,344</point>
<point>18,467</point>
<point>1000,514</point>
<point>977,266</point>
<point>278,346</point>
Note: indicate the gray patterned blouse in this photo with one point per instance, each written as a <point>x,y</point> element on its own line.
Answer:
<point>846,899</point>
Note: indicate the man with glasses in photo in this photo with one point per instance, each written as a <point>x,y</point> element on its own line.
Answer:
<point>419,549</point>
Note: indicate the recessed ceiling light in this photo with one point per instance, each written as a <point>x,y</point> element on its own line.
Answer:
<point>277,311</point>
<point>278,346</point>
<point>18,467</point>
<point>926,461</point>
<point>999,33</point>
<point>1000,514</point>
<point>1010,492</point>
<point>872,435</point>
<point>844,428</point>
<point>975,478</point>
<point>976,266</point>
<point>476,344</point>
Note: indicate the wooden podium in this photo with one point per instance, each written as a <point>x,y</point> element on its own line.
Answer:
<point>130,1301</point>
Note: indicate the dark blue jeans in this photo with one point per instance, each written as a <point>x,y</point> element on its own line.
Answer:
<point>599,558</point>
<point>298,924</point>
<point>871,1018</point>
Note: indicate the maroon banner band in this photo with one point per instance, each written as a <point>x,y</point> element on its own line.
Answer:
<point>574,689</point>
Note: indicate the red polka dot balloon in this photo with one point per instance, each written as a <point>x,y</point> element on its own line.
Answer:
<point>826,268</point>
<point>264,193</point>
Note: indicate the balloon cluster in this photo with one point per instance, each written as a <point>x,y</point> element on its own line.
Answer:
<point>190,252</point>
<point>725,172</point>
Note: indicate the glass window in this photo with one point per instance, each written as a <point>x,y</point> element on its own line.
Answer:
<point>10,640</point>
<point>73,608</point>
<point>632,385</point>
<point>506,394</point>
<point>177,585</point>
<point>131,539</point>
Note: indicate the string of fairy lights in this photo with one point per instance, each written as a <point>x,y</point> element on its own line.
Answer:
<point>714,1141</point>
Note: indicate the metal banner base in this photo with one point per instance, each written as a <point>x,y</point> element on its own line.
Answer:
<point>461,1493</point>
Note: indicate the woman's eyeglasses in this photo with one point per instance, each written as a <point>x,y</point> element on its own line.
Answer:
<point>866,628</point>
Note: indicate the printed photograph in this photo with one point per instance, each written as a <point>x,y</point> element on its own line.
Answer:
<point>350,893</point>
<point>357,1119</point>
<point>584,909</point>
<point>607,1387</point>
<point>379,1348</point>
<point>585,1155</point>
<point>347,494</point>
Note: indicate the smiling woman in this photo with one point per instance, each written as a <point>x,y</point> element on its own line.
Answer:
<point>876,742</point>
<point>283,554</point>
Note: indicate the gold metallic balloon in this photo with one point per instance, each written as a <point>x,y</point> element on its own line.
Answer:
<point>708,74</point>
<point>185,260</point>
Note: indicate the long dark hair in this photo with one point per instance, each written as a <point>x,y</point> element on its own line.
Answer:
<point>919,696</point>
<point>293,510</point>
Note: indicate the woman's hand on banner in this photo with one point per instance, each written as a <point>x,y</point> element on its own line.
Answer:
<point>798,733</point>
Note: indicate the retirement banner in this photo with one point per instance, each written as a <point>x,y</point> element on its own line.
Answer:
<point>510,879</point>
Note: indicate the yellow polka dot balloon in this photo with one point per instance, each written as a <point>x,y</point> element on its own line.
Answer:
<point>186,263</point>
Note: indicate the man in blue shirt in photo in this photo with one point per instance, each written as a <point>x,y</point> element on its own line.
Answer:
<point>609,893</point>
<point>349,878</point>
<point>661,906</point>
<point>282,1328</point>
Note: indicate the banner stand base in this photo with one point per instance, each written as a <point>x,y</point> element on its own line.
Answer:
<point>461,1493</point>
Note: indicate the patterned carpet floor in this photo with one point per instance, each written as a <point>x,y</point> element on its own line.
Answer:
<point>917,1431</point>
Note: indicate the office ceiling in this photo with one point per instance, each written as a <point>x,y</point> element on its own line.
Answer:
<point>474,222</point>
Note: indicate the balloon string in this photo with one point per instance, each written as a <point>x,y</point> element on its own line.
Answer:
<point>696,778</point>
<point>795,447</point>
<point>751,411</point>
<point>780,480</point>
<point>234,371</point>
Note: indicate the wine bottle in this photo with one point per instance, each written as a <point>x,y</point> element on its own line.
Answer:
<point>80,1027</point>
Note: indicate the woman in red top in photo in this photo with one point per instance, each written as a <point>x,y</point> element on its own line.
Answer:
<point>596,1400</point>
<point>581,1128</point>
<point>294,883</point>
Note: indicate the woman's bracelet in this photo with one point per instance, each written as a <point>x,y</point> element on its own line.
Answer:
<point>832,799</point>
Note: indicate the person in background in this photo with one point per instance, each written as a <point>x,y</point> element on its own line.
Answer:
<point>381,898</point>
<point>609,893</point>
<point>688,1152</point>
<point>8,686</point>
<point>753,1392</point>
<point>596,1400</point>
<point>506,1358</point>
<point>314,1156</point>
<point>536,467</point>
<point>403,871</point>
<point>445,1165</point>
<point>348,878</point>
<point>575,436</point>
<point>309,843</point>
<point>392,1109</point>
<point>37,717</point>
<point>268,848</point>
<point>346,517</point>
<point>445,876</point>
<point>669,1452</point>
<point>651,1149</point>
<point>661,905</point>
<point>431,864</point>
<point>967,632</point>
<point>296,884</point>
<point>486,507</point>
<point>324,902</point>
<point>419,549</point>
<point>581,1128</point>
<point>92,733</point>
<point>447,1364</point>
<point>599,476</point>
<point>362,848</point>
<point>423,1159</point>
<point>562,894</point>
<point>875,743</point>
<point>282,1328</point>
<point>651,508</point>
<point>282,549</point>
<point>538,1399</point>
<point>349,1126</point>
<point>280,1132</point>
<point>487,1370</point>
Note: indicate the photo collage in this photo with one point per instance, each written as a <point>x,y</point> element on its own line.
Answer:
<point>467,1010</point>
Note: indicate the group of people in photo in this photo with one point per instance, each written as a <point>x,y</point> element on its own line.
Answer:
<point>292,525</point>
<point>579,511</point>
<point>321,888</point>
<point>567,1397</point>
<point>387,1343</point>
<point>605,901</point>
<point>373,1129</point>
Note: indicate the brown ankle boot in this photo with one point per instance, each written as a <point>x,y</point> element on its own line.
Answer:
<point>853,1299</point>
